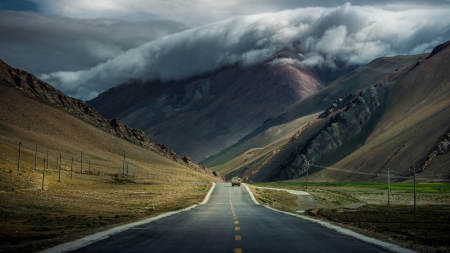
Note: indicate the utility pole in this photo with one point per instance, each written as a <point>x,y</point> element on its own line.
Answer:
<point>414,176</point>
<point>415,207</point>
<point>18,160</point>
<point>389,186</point>
<point>307,172</point>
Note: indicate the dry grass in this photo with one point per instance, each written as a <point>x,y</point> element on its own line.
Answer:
<point>424,231</point>
<point>33,219</point>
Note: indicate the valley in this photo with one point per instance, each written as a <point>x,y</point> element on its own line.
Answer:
<point>67,171</point>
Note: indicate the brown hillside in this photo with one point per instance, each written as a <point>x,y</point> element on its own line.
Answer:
<point>416,121</point>
<point>37,90</point>
<point>70,202</point>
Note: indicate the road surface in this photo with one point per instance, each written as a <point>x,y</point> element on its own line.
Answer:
<point>230,222</point>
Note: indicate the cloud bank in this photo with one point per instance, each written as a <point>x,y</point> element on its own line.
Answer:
<point>44,44</point>
<point>201,12</point>
<point>349,34</point>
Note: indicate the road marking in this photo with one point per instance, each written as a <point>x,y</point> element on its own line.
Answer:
<point>237,237</point>
<point>236,222</point>
<point>237,228</point>
<point>237,250</point>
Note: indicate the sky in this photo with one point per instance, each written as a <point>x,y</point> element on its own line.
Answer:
<point>85,47</point>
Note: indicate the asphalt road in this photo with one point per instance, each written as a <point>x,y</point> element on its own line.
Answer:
<point>230,222</point>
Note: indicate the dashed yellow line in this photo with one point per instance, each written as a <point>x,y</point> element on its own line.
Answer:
<point>236,222</point>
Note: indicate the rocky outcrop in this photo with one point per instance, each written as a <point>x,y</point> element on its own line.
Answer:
<point>46,93</point>
<point>346,131</point>
<point>441,148</point>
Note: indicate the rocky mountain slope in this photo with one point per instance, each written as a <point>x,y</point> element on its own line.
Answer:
<point>43,92</point>
<point>397,123</point>
<point>280,129</point>
<point>206,114</point>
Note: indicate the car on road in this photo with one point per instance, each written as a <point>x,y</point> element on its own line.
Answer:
<point>235,181</point>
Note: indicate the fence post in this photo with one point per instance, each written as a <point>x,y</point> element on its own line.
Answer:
<point>43,173</point>
<point>35,159</point>
<point>415,208</point>
<point>18,160</point>
<point>59,173</point>
<point>123,165</point>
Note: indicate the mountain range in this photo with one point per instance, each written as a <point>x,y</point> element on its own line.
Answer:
<point>391,114</point>
<point>267,122</point>
<point>200,116</point>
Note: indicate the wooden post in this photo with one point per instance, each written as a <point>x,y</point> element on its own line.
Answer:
<point>59,173</point>
<point>415,207</point>
<point>18,160</point>
<point>35,158</point>
<point>81,161</point>
<point>123,165</point>
<point>47,159</point>
<point>389,186</point>
<point>43,173</point>
<point>71,169</point>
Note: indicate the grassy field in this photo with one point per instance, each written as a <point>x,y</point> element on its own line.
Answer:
<point>362,207</point>
<point>37,214</point>
<point>407,187</point>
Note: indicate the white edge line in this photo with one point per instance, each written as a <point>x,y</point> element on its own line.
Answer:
<point>388,246</point>
<point>209,194</point>
<point>85,241</point>
<point>251,195</point>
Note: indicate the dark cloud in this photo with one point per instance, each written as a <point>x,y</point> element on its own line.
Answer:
<point>43,44</point>
<point>201,12</point>
<point>18,5</point>
<point>349,34</point>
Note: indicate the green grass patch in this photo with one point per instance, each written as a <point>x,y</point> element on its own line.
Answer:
<point>407,187</point>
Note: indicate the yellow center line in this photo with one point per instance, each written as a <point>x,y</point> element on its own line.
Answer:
<point>237,228</point>
<point>237,250</point>
<point>237,238</point>
<point>236,222</point>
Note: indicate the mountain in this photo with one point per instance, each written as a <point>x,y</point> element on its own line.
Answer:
<point>34,110</point>
<point>398,122</point>
<point>203,115</point>
<point>280,129</point>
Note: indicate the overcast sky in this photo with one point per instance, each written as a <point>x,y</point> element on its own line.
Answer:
<point>84,47</point>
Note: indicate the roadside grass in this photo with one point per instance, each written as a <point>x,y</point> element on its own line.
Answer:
<point>362,207</point>
<point>33,219</point>
<point>406,187</point>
